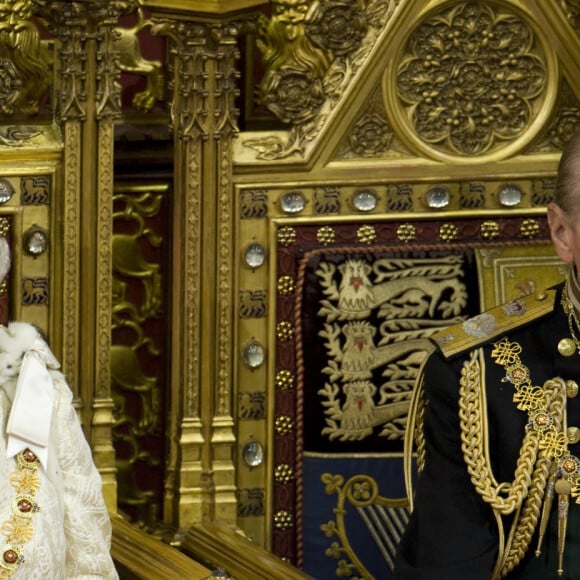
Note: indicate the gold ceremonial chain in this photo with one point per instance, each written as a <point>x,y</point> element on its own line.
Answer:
<point>570,311</point>
<point>564,480</point>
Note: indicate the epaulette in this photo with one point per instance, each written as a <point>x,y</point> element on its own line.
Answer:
<point>484,327</point>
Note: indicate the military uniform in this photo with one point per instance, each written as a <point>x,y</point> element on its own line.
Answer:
<point>499,394</point>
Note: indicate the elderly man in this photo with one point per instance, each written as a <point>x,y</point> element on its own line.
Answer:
<point>499,418</point>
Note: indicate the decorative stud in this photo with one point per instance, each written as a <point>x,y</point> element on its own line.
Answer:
<point>253,454</point>
<point>566,347</point>
<point>286,236</point>
<point>283,520</point>
<point>292,202</point>
<point>489,230</point>
<point>253,354</point>
<point>571,389</point>
<point>530,228</point>
<point>573,434</point>
<point>35,241</point>
<point>406,232</point>
<point>284,380</point>
<point>283,473</point>
<point>448,232</point>
<point>284,331</point>
<point>510,195</point>
<point>364,200</point>
<point>325,235</point>
<point>285,285</point>
<point>283,425</point>
<point>437,197</point>
<point>255,255</point>
<point>366,234</point>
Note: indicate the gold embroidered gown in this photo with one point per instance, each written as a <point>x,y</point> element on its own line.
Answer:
<point>53,523</point>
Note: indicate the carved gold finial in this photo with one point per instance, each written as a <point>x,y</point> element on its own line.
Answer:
<point>25,60</point>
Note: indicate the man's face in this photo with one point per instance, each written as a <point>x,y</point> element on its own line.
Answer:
<point>565,232</point>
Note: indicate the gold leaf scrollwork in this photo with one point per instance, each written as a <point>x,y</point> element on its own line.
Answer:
<point>571,9</point>
<point>137,298</point>
<point>292,86</point>
<point>311,50</point>
<point>473,78</point>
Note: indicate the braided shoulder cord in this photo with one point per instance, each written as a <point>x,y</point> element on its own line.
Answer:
<point>472,445</point>
<point>524,526</point>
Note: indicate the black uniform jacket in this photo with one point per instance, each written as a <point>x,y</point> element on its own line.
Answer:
<point>452,534</point>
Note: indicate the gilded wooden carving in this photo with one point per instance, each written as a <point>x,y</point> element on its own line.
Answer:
<point>312,50</point>
<point>132,61</point>
<point>137,300</point>
<point>25,61</point>
<point>470,79</point>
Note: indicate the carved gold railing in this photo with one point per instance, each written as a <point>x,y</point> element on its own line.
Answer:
<point>140,555</point>
<point>242,559</point>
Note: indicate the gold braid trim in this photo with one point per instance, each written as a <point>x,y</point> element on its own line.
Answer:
<point>414,436</point>
<point>420,431</point>
<point>19,529</point>
<point>532,468</point>
<point>525,524</point>
<point>473,447</point>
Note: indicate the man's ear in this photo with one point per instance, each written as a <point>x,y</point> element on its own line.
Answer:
<point>561,232</point>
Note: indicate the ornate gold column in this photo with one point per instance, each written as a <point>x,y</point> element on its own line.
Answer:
<point>201,477</point>
<point>88,105</point>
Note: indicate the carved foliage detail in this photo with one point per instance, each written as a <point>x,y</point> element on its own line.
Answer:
<point>137,303</point>
<point>472,77</point>
<point>311,51</point>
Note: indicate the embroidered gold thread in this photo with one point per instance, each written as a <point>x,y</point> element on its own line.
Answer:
<point>19,529</point>
<point>473,445</point>
<point>565,469</point>
<point>532,469</point>
<point>420,432</point>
